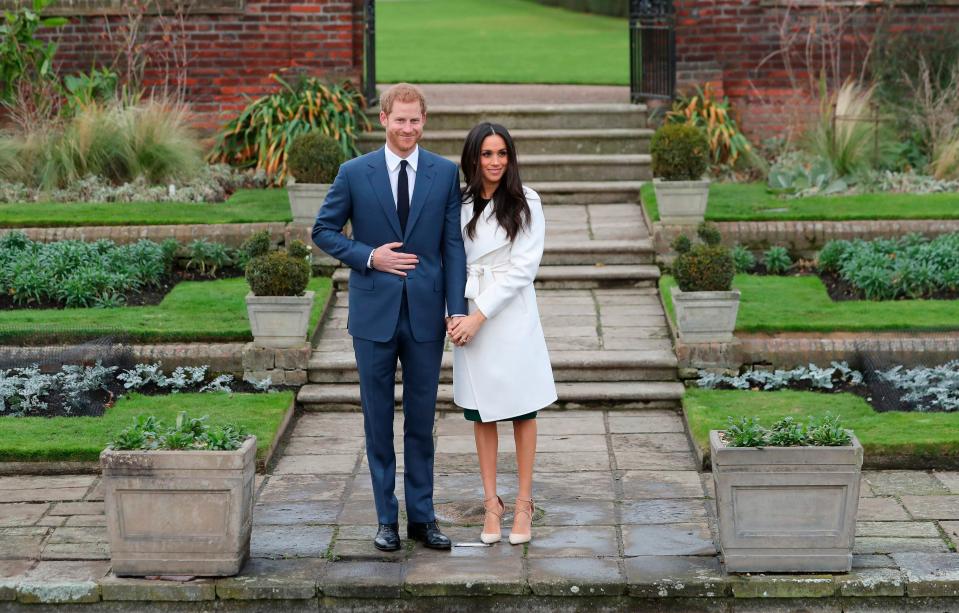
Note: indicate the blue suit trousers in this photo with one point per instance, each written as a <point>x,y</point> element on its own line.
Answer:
<point>376,362</point>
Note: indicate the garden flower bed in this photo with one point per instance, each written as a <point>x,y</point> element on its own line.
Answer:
<point>194,311</point>
<point>893,439</point>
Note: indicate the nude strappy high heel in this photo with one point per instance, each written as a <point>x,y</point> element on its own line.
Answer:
<point>495,537</point>
<point>519,539</point>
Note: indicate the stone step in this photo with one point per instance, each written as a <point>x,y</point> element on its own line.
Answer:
<point>568,366</point>
<point>568,253</point>
<point>573,167</point>
<point>586,192</point>
<point>536,116</point>
<point>587,252</point>
<point>533,142</point>
<point>612,395</point>
<point>570,277</point>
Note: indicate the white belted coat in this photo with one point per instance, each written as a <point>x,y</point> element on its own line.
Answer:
<point>504,371</point>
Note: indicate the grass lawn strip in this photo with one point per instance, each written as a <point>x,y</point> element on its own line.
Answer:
<point>751,202</point>
<point>801,304</point>
<point>245,206</point>
<point>521,42</point>
<point>194,311</point>
<point>80,439</point>
<point>907,439</point>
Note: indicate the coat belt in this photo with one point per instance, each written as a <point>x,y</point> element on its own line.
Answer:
<point>474,273</point>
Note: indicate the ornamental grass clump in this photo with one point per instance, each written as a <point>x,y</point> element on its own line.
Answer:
<point>314,158</point>
<point>824,431</point>
<point>705,267</point>
<point>277,273</point>
<point>151,142</point>
<point>680,152</point>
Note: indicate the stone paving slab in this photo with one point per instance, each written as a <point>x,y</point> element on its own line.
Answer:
<point>629,518</point>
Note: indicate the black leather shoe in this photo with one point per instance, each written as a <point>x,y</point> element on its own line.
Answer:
<point>387,537</point>
<point>429,534</point>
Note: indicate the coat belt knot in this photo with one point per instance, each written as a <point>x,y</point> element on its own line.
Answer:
<point>474,272</point>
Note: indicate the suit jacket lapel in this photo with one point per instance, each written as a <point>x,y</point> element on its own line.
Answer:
<point>421,189</point>
<point>380,182</point>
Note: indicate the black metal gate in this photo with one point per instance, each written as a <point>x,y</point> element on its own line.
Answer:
<point>369,52</point>
<point>652,50</point>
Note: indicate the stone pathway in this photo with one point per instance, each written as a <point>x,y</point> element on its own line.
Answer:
<point>622,511</point>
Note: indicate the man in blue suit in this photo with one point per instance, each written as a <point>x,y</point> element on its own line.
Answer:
<point>408,271</point>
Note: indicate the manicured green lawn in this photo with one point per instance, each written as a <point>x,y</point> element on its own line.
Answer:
<point>751,202</point>
<point>34,439</point>
<point>497,41</point>
<point>245,206</point>
<point>801,304</point>
<point>193,311</point>
<point>888,439</point>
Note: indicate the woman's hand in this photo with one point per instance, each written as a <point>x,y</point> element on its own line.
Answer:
<point>463,329</point>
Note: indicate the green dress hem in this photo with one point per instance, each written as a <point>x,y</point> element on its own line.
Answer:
<point>473,415</point>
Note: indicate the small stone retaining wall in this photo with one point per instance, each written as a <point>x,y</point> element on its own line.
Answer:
<point>788,351</point>
<point>804,238</point>
<point>220,357</point>
<point>229,234</point>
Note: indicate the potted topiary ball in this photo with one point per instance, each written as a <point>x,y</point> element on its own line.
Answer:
<point>680,155</point>
<point>313,161</point>
<point>278,304</point>
<point>705,303</point>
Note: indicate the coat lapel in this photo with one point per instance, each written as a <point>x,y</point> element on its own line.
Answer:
<point>489,236</point>
<point>380,182</point>
<point>421,189</point>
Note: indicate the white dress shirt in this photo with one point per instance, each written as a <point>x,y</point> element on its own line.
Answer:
<point>393,170</point>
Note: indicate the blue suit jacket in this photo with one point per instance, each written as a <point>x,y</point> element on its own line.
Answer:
<point>361,194</point>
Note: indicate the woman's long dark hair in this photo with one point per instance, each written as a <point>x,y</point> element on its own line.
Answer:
<point>511,210</point>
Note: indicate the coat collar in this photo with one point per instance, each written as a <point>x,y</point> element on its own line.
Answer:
<point>489,235</point>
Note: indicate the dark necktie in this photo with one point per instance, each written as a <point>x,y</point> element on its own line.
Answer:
<point>403,196</point>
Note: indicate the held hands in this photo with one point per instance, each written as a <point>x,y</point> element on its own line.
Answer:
<point>463,329</point>
<point>385,259</point>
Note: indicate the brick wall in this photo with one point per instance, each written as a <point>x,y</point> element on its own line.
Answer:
<point>737,45</point>
<point>232,45</point>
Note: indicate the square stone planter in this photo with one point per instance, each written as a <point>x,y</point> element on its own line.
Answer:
<point>179,512</point>
<point>681,202</point>
<point>305,201</point>
<point>786,509</point>
<point>279,321</point>
<point>705,317</point>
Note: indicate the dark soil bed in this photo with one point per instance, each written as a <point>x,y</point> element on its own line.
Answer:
<point>147,297</point>
<point>878,393</point>
<point>96,403</point>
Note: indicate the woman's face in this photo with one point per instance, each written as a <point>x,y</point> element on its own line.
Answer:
<point>493,158</point>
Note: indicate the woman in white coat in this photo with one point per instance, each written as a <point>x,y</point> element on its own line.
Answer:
<point>501,368</point>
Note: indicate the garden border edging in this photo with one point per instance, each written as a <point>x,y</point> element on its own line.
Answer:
<point>802,238</point>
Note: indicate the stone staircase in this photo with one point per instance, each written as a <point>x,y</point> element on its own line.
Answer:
<point>605,328</point>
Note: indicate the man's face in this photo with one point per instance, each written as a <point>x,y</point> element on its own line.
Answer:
<point>404,126</point>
